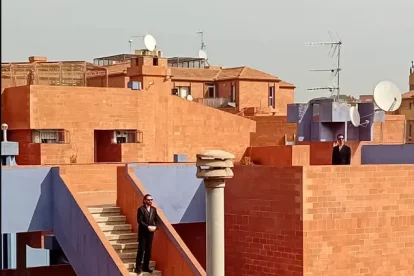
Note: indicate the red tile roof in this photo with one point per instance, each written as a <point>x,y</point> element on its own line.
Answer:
<point>408,95</point>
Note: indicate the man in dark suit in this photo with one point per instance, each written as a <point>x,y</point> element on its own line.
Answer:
<point>147,218</point>
<point>341,154</point>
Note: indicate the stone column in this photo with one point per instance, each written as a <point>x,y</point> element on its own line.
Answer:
<point>214,166</point>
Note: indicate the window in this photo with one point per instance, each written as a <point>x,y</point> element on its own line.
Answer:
<point>233,93</point>
<point>127,136</point>
<point>182,91</point>
<point>155,61</point>
<point>272,96</point>
<point>211,90</point>
<point>411,105</point>
<point>50,136</point>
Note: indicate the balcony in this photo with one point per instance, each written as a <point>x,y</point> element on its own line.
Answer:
<point>216,102</point>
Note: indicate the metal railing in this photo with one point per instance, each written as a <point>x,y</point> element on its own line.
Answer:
<point>214,102</point>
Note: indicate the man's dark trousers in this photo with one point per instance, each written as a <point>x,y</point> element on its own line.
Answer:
<point>144,248</point>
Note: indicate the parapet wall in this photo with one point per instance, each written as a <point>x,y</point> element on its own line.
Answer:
<point>320,220</point>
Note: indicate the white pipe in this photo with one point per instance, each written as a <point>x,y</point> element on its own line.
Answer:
<point>4,135</point>
<point>215,227</point>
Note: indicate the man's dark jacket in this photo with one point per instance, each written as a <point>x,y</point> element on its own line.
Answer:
<point>341,157</point>
<point>146,219</point>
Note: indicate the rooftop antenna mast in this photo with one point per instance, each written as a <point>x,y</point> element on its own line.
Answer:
<point>201,33</point>
<point>335,51</point>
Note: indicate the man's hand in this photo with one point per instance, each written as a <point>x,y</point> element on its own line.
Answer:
<point>152,228</point>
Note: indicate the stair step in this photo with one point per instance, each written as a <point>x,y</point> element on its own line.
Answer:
<point>125,246</point>
<point>154,273</point>
<point>117,232</point>
<point>116,242</point>
<point>110,223</point>
<point>131,265</point>
<point>111,219</point>
<point>108,228</point>
<point>104,215</point>
<point>128,255</point>
<point>120,237</point>
<point>104,210</point>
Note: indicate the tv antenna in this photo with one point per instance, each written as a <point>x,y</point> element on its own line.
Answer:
<point>201,33</point>
<point>335,51</point>
<point>202,52</point>
<point>149,42</point>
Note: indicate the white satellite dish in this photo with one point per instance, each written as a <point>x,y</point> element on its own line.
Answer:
<point>355,117</point>
<point>387,96</point>
<point>150,42</point>
<point>202,54</point>
<point>190,98</point>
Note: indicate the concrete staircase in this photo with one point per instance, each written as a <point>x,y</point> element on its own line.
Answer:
<point>120,235</point>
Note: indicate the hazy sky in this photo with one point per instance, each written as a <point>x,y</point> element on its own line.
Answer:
<point>268,35</point>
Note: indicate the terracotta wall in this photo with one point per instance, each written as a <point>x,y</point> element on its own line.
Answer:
<point>278,155</point>
<point>392,131</point>
<point>119,80</point>
<point>194,236</point>
<point>169,251</point>
<point>29,154</point>
<point>284,96</point>
<point>358,220</point>
<point>320,220</point>
<point>271,130</point>
<point>321,152</point>
<point>61,270</point>
<point>255,93</point>
<point>16,118</point>
<point>263,222</point>
<point>169,124</point>
<point>95,184</point>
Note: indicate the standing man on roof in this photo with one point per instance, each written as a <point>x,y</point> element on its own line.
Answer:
<point>341,154</point>
<point>147,218</point>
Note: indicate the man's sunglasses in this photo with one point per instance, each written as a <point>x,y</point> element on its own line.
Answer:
<point>340,138</point>
<point>149,199</point>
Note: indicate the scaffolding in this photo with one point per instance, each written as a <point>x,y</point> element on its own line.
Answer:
<point>63,73</point>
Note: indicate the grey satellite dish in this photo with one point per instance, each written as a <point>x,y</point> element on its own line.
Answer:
<point>202,54</point>
<point>354,115</point>
<point>150,42</point>
<point>387,96</point>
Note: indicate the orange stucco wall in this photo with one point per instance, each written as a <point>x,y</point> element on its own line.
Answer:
<point>169,124</point>
<point>320,220</point>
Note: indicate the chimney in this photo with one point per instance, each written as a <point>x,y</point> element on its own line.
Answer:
<point>37,59</point>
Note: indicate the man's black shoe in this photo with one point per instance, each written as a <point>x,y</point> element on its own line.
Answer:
<point>137,271</point>
<point>147,270</point>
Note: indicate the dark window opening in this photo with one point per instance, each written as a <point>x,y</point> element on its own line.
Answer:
<point>155,61</point>
<point>272,96</point>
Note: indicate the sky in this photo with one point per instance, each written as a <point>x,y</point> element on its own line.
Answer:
<point>268,35</point>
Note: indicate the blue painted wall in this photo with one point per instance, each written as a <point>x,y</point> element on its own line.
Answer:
<point>387,154</point>
<point>26,200</point>
<point>26,206</point>
<point>176,190</point>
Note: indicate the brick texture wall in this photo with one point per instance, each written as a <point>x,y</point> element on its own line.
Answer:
<point>284,96</point>
<point>263,222</point>
<point>298,155</point>
<point>94,183</point>
<point>320,220</point>
<point>271,130</point>
<point>194,236</point>
<point>358,220</point>
<point>392,131</point>
<point>169,124</point>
